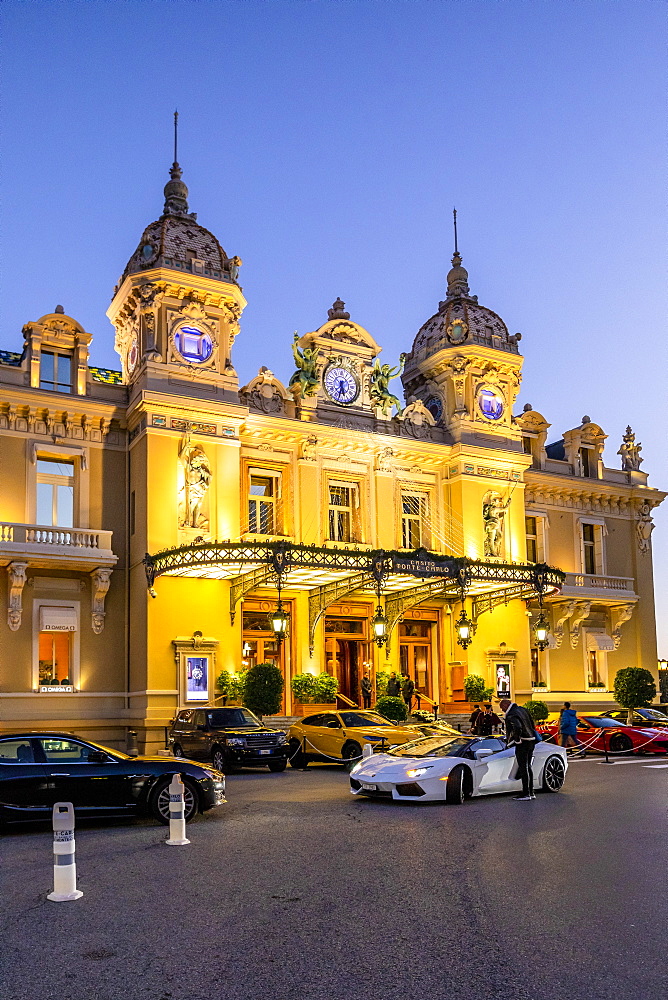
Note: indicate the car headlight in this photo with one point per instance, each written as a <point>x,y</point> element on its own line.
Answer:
<point>281,738</point>
<point>356,768</point>
<point>235,741</point>
<point>417,772</point>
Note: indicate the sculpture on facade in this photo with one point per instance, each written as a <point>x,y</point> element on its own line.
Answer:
<point>417,419</point>
<point>493,515</point>
<point>308,448</point>
<point>644,526</point>
<point>196,482</point>
<point>305,379</point>
<point>379,385</point>
<point>630,452</point>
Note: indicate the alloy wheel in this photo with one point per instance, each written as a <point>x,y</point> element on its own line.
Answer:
<point>553,776</point>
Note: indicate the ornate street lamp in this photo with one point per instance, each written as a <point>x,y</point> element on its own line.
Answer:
<point>379,624</point>
<point>465,629</point>
<point>541,631</point>
<point>280,619</point>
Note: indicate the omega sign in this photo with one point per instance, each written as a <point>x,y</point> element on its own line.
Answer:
<point>58,628</point>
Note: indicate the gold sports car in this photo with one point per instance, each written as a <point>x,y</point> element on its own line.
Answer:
<point>340,736</point>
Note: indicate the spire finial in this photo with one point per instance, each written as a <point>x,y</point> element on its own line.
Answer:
<point>176,135</point>
<point>454,217</point>
<point>176,192</point>
<point>458,276</point>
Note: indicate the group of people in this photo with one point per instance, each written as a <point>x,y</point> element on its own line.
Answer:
<point>401,687</point>
<point>521,734</point>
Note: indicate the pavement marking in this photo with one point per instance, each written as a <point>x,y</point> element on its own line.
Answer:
<point>655,765</point>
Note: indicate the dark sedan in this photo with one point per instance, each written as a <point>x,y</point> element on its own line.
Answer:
<point>38,769</point>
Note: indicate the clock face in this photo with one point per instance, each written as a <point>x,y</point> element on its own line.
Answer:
<point>341,385</point>
<point>491,404</point>
<point>133,355</point>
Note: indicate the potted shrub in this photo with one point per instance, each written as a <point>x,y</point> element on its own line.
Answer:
<point>382,677</point>
<point>263,689</point>
<point>393,709</point>
<point>314,693</point>
<point>475,687</point>
<point>538,710</point>
<point>231,687</point>
<point>634,688</point>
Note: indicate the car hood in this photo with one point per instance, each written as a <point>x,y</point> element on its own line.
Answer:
<point>252,731</point>
<point>383,767</point>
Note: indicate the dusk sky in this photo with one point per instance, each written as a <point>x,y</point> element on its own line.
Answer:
<point>326,143</point>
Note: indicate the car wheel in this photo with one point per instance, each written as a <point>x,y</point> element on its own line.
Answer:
<point>298,758</point>
<point>218,759</point>
<point>620,743</point>
<point>278,765</point>
<point>455,787</point>
<point>554,773</point>
<point>177,750</point>
<point>159,802</point>
<point>352,752</point>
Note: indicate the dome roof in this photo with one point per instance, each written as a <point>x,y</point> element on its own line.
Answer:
<point>460,320</point>
<point>175,240</point>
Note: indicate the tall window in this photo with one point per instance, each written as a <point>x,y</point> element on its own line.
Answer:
<point>55,372</point>
<point>413,514</point>
<point>594,678</point>
<point>340,511</point>
<point>55,492</point>
<point>589,548</point>
<point>262,504</point>
<point>531,529</point>
<point>588,462</point>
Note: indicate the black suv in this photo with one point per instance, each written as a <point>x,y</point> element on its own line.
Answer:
<point>229,738</point>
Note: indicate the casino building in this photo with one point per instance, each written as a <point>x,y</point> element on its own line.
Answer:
<point>153,519</point>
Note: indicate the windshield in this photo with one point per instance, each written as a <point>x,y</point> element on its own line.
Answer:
<point>651,713</point>
<point>232,718</point>
<point>355,719</point>
<point>437,746</point>
<point>604,723</point>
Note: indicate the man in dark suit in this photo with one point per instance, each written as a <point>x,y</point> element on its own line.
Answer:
<point>521,733</point>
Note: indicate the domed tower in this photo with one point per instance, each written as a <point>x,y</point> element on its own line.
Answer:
<point>464,365</point>
<point>177,305</point>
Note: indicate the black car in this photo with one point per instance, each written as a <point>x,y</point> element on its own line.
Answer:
<point>229,738</point>
<point>645,717</point>
<point>39,769</point>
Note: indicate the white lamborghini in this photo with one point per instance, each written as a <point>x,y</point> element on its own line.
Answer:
<point>454,768</point>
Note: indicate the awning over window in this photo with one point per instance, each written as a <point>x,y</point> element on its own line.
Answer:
<point>57,619</point>
<point>599,640</point>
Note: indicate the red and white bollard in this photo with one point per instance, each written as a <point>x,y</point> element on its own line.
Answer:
<point>64,866</point>
<point>367,750</point>
<point>177,819</point>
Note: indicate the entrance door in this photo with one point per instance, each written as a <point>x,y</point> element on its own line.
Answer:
<point>343,661</point>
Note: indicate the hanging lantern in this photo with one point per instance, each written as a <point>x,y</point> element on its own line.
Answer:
<point>379,624</point>
<point>279,622</point>
<point>541,631</point>
<point>465,629</point>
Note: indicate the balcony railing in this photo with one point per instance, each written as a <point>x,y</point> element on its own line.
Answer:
<point>597,582</point>
<point>48,541</point>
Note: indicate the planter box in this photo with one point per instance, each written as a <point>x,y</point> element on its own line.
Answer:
<point>313,709</point>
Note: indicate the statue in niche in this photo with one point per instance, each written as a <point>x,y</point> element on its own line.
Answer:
<point>379,386</point>
<point>305,379</point>
<point>644,526</point>
<point>493,515</point>
<point>196,482</point>
<point>630,452</point>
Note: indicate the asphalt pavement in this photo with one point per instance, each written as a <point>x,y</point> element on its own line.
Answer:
<point>295,890</point>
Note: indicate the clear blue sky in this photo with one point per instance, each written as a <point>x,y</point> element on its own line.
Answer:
<point>326,143</point>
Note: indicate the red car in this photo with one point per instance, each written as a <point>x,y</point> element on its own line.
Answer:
<point>601,733</point>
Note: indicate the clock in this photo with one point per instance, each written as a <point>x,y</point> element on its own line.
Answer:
<point>133,355</point>
<point>341,385</point>
<point>491,404</point>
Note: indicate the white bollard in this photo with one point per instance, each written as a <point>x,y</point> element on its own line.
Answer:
<point>64,867</point>
<point>367,750</point>
<point>177,822</point>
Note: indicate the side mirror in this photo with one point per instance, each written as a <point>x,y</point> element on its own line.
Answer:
<point>479,754</point>
<point>97,757</point>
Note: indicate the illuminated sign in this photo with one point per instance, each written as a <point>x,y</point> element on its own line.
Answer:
<point>197,678</point>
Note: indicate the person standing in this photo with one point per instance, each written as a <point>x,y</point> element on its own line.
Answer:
<point>474,718</point>
<point>407,691</point>
<point>568,728</point>
<point>521,734</point>
<point>366,690</point>
<point>486,722</point>
<point>393,686</point>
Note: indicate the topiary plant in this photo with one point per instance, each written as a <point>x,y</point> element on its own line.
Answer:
<point>382,677</point>
<point>303,688</point>
<point>538,710</point>
<point>231,685</point>
<point>634,687</point>
<point>263,689</point>
<point>394,709</point>
<point>474,687</point>
<point>326,687</point>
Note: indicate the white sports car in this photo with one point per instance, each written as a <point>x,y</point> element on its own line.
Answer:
<point>454,768</point>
